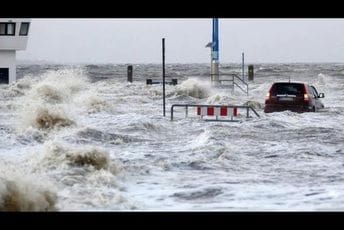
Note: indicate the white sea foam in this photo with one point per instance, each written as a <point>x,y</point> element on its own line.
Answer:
<point>22,192</point>
<point>105,145</point>
<point>195,88</point>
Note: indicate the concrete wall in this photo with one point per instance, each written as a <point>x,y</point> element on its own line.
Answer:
<point>8,60</point>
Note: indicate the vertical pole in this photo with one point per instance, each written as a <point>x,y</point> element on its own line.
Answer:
<point>130,73</point>
<point>250,73</point>
<point>215,53</point>
<point>163,74</point>
<point>243,64</point>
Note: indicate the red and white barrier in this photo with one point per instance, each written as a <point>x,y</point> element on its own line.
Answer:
<point>217,111</point>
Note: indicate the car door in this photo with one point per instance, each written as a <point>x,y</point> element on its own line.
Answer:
<point>318,103</point>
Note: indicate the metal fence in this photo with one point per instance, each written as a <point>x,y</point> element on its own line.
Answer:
<point>187,106</point>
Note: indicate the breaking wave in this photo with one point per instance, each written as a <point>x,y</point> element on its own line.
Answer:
<point>89,178</point>
<point>19,87</point>
<point>88,157</point>
<point>49,93</point>
<point>57,86</point>
<point>55,98</point>
<point>45,117</point>
<point>20,192</point>
<point>93,103</point>
<point>194,88</point>
<point>220,99</point>
<point>69,80</point>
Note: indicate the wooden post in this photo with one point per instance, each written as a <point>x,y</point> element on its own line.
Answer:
<point>130,73</point>
<point>250,73</point>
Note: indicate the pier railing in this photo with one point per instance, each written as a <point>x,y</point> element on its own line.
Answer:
<point>233,80</point>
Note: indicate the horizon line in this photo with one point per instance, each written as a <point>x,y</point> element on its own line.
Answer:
<point>23,61</point>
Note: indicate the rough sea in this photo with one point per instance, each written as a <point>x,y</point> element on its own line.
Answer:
<point>80,137</point>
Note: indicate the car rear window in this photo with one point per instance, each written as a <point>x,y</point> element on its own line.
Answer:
<point>287,88</point>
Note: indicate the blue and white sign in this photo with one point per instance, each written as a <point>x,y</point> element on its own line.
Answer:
<point>215,43</point>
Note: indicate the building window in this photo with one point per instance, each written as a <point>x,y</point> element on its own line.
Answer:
<point>24,29</point>
<point>2,28</point>
<point>7,29</point>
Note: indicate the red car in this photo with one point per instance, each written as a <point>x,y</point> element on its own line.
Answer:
<point>293,96</point>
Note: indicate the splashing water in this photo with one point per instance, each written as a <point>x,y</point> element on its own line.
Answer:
<point>89,142</point>
<point>195,88</point>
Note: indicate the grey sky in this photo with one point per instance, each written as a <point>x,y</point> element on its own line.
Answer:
<point>139,40</point>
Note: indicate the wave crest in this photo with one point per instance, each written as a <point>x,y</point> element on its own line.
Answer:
<point>45,118</point>
<point>55,154</point>
<point>25,195</point>
<point>194,88</point>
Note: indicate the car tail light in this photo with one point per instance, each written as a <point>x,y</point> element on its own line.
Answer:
<point>305,97</point>
<point>267,96</point>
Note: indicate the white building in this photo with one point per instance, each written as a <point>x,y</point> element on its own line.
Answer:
<point>13,36</point>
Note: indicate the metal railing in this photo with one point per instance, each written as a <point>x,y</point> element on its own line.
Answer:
<point>186,106</point>
<point>235,76</point>
<point>233,79</point>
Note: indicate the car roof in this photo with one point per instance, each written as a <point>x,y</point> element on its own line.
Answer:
<point>290,82</point>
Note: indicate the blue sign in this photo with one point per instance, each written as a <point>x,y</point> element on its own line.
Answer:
<point>215,48</point>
